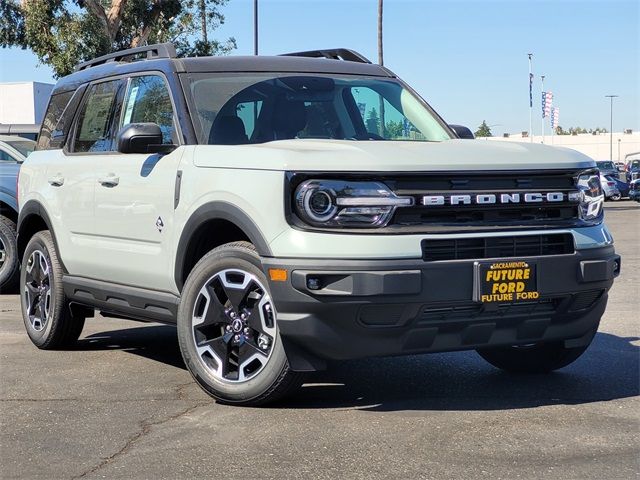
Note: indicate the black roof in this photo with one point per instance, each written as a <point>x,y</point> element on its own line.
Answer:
<point>111,65</point>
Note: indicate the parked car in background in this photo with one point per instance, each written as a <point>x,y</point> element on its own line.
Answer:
<point>611,192</point>
<point>634,190</point>
<point>620,166</point>
<point>621,185</point>
<point>633,170</point>
<point>24,130</point>
<point>607,168</point>
<point>13,151</point>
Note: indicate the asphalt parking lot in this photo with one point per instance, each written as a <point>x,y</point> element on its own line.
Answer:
<point>122,405</point>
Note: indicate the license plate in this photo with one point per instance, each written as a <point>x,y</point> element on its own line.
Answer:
<point>506,281</point>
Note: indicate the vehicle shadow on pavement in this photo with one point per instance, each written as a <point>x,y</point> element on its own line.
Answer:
<point>447,381</point>
<point>463,381</point>
<point>157,342</point>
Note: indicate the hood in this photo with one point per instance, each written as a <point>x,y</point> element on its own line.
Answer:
<point>390,156</point>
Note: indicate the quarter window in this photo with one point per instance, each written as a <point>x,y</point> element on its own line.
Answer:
<point>5,157</point>
<point>148,100</point>
<point>97,121</point>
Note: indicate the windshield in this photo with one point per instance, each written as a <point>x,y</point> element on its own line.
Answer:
<point>635,164</point>
<point>25,147</point>
<point>242,109</point>
<point>606,165</point>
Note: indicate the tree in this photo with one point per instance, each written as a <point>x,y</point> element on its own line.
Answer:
<point>63,33</point>
<point>483,130</point>
<point>373,121</point>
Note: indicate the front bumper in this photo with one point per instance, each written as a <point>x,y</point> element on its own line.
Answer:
<point>366,308</point>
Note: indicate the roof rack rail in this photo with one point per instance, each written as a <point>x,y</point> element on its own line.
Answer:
<point>160,50</point>
<point>333,53</point>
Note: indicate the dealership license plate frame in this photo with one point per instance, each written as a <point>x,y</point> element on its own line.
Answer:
<point>482,286</point>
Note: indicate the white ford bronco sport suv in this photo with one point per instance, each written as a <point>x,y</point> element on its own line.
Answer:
<point>291,210</point>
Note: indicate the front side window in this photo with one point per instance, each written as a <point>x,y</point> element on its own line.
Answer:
<point>241,109</point>
<point>98,119</point>
<point>148,101</point>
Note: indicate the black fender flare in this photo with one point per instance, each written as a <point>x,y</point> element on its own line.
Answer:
<point>217,211</point>
<point>30,209</point>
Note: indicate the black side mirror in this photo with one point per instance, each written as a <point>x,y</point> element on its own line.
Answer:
<point>142,138</point>
<point>462,132</point>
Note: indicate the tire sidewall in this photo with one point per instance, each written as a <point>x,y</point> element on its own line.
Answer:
<point>40,242</point>
<point>222,258</point>
<point>10,265</point>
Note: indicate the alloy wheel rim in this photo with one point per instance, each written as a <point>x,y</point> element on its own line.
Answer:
<point>233,325</point>
<point>37,290</point>
<point>3,253</point>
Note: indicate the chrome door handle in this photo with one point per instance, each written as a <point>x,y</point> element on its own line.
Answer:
<point>56,181</point>
<point>109,181</point>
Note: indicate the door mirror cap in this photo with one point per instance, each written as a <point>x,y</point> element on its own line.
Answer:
<point>142,138</point>
<point>462,132</point>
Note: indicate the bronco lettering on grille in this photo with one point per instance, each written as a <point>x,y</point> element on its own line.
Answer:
<point>494,198</point>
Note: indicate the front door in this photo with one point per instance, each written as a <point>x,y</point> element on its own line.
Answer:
<point>134,201</point>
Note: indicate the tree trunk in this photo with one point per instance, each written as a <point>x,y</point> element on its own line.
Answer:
<point>203,21</point>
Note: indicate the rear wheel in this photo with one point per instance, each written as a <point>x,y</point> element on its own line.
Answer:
<point>536,358</point>
<point>228,332</point>
<point>46,311</point>
<point>615,197</point>
<point>9,265</point>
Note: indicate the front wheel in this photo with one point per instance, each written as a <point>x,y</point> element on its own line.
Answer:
<point>536,358</point>
<point>228,332</point>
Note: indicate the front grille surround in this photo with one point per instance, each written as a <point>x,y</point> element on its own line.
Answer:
<point>474,218</point>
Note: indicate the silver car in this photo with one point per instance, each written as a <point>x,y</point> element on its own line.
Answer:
<point>611,192</point>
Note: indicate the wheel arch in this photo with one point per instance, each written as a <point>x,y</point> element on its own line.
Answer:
<point>211,225</point>
<point>8,210</point>
<point>33,218</point>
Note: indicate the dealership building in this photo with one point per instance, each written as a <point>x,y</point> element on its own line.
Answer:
<point>597,146</point>
<point>23,102</point>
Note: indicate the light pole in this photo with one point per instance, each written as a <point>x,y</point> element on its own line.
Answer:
<point>611,97</point>
<point>255,27</point>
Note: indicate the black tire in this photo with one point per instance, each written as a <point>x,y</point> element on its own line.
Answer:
<point>9,264</point>
<point>537,358</point>
<point>45,309</point>
<point>273,379</point>
<point>615,197</point>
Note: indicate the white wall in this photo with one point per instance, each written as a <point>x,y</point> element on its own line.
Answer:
<point>23,102</point>
<point>595,146</point>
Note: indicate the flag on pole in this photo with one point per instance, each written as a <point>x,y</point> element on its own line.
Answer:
<point>547,100</point>
<point>530,90</point>
<point>555,115</point>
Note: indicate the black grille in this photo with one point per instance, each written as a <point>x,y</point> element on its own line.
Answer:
<point>466,312</point>
<point>497,247</point>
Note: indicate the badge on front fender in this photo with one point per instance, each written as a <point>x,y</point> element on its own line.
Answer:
<point>507,281</point>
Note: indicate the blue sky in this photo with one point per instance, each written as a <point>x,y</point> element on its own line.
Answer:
<point>468,59</point>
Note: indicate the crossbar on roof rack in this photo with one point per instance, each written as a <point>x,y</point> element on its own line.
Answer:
<point>333,53</point>
<point>160,50</point>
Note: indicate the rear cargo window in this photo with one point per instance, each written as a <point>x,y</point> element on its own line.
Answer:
<point>58,119</point>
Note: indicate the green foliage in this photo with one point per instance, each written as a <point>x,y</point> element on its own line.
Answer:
<point>393,129</point>
<point>579,130</point>
<point>373,121</point>
<point>483,130</point>
<point>63,33</point>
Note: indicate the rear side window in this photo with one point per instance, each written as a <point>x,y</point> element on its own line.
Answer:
<point>98,118</point>
<point>57,121</point>
<point>5,157</point>
<point>148,100</point>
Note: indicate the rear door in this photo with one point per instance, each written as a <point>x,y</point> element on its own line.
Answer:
<point>135,194</point>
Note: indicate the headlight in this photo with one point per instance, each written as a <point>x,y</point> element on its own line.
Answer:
<point>590,195</point>
<point>337,203</point>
